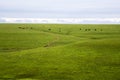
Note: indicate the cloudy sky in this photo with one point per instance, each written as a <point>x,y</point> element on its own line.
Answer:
<point>59,9</point>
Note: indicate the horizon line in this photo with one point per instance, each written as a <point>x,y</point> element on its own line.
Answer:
<point>62,20</point>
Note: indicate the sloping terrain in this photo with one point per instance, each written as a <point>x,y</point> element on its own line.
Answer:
<point>59,52</point>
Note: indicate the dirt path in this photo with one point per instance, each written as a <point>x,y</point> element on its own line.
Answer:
<point>52,42</point>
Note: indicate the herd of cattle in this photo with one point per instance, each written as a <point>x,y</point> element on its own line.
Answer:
<point>61,29</point>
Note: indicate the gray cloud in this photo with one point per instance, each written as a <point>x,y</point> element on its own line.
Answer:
<point>60,8</point>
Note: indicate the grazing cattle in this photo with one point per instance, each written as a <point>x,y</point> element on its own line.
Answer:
<point>85,29</point>
<point>19,27</point>
<point>49,29</point>
<point>46,45</point>
<point>89,29</point>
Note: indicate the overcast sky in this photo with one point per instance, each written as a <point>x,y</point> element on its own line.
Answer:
<point>60,8</point>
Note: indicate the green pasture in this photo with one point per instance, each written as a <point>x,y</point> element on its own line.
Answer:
<point>59,52</point>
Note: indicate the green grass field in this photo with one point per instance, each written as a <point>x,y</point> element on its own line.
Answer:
<point>59,52</point>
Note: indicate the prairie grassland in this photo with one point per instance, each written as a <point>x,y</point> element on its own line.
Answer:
<point>59,52</point>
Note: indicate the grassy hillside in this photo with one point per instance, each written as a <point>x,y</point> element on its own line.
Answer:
<point>59,52</point>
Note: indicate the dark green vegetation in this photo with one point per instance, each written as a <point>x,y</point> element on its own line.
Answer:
<point>59,52</point>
